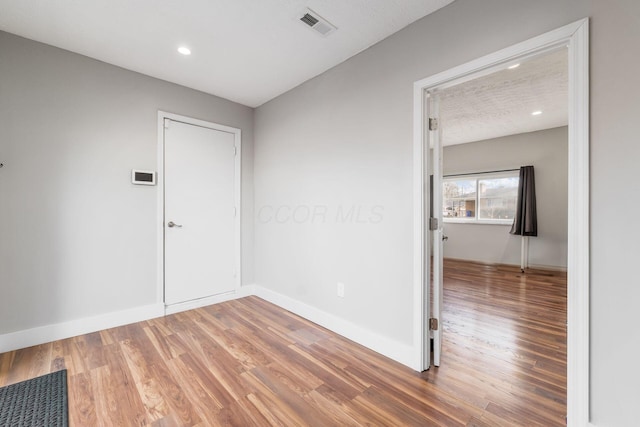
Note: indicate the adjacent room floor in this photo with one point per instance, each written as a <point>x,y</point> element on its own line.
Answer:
<point>247,362</point>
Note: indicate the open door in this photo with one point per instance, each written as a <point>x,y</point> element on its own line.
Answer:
<point>434,139</point>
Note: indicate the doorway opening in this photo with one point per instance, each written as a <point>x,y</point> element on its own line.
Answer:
<point>492,315</point>
<point>573,38</point>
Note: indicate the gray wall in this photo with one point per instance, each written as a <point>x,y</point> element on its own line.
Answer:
<point>547,151</point>
<point>345,139</point>
<point>77,239</point>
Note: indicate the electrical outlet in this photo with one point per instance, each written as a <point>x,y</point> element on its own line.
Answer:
<point>341,290</point>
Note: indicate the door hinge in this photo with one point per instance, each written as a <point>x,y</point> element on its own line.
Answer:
<point>433,124</point>
<point>235,150</point>
<point>166,123</point>
<point>433,224</point>
<point>433,324</point>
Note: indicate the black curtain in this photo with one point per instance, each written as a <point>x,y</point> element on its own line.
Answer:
<point>526,221</point>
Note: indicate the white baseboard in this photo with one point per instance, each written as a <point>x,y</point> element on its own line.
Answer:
<point>72,328</point>
<point>548,267</point>
<point>397,351</point>
<point>535,266</point>
<point>390,348</point>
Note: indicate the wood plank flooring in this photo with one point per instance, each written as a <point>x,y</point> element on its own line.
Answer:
<point>249,363</point>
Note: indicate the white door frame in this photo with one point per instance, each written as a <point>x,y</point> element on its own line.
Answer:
<point>576,37</point>
<point>160,212</point>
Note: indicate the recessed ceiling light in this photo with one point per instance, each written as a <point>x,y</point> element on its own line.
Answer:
<point>184,50</point>
<point>536,113</point>
<point>514,66</point>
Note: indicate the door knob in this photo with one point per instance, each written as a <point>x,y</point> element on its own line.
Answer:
<point>445,238</point>
<point>172,224</point>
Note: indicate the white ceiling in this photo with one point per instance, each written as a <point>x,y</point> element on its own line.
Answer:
<point>501,103</point>
<point>248,51</point>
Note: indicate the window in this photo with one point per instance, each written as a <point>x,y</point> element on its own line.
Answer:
<point>485,198</point>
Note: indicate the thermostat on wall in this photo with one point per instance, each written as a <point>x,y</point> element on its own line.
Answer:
<point>143,177</point>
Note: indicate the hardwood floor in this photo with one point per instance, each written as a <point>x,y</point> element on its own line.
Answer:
<point>247,362</point>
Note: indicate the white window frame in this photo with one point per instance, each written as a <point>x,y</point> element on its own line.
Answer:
<point>476,219</point>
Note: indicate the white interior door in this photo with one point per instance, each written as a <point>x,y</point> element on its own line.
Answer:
<point>427,208</point>
<point>199,212</point>
<point>437,234</point>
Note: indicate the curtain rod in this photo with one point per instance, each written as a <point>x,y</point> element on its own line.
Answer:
<point>480,173</point>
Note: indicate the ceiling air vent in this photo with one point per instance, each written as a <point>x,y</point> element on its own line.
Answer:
<point>317,23</point>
